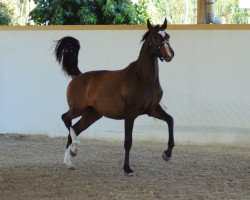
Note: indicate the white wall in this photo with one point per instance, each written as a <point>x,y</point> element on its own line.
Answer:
<point>206,86</point>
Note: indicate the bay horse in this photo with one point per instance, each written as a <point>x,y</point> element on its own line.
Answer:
<point>121,94</point>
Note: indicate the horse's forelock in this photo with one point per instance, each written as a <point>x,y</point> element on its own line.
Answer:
<point>145,36</point>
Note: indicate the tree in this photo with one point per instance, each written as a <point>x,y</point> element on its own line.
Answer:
<point>185,11</point>
<point>5,14</point>
<point>60,12</point>
<point>142,11</point>
<point>63,12</point>
<point>22,11</point>
<point>230,13</point>
<point>176,11</point>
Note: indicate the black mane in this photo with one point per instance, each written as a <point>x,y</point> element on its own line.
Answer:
<point>145,36</point>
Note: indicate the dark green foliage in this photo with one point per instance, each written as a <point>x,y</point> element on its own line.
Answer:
<point>70,12</point>
<point>142,10</point>
<point>5,14</point>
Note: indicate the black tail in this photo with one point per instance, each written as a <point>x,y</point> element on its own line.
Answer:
<point>66,53</point>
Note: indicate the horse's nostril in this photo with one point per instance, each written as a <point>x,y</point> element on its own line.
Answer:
<point>168,59</point>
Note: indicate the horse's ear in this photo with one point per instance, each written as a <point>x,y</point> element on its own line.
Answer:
<point>149,24</point>
<point>165,24</point>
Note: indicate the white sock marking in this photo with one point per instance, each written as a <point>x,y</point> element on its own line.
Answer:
<point>73,135</point>
<point>67,157</point>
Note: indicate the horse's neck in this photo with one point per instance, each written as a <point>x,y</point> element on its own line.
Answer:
<point>147,66</point>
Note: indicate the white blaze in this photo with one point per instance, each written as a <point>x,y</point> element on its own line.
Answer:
<point>162,33</point>
<point>166,46</point>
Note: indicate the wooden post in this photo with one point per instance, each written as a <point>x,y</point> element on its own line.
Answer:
<point>201,11</point>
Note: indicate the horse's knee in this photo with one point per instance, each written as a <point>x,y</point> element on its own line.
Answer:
<point>127,146</point>
<point>170,120</point>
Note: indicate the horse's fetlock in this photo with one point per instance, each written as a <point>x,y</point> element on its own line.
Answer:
<point>171,145</point>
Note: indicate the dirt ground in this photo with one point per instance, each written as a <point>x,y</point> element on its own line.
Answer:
<point>31,168</point>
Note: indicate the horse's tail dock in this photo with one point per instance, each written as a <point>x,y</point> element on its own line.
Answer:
<point>66,52</point>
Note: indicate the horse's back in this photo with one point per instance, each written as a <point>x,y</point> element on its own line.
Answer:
<point>87,76</point>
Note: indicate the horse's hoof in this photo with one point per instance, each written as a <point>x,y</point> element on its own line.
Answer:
<point>131,174</point>
<point>128,171</point>
<point>165,157</point>
<point>69,165</point>
<point>73,153</point>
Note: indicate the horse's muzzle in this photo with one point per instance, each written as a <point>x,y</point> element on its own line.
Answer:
<point>168,59</point>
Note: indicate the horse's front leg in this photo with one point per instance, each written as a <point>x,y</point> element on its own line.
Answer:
<point>159,113</point>
<point>129,123</point>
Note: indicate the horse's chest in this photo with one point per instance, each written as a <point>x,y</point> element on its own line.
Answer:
<point>141,100</point>
<point>153,99</point>
<point>149,101</point>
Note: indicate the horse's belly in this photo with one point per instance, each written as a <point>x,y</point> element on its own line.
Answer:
<point>110,108</point>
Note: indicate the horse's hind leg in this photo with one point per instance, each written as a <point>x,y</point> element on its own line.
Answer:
<point>159,113</point>
<point>67,119</point>
<point>89,116</point>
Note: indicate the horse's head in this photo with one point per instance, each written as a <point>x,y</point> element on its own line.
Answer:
<point>159,41</point>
